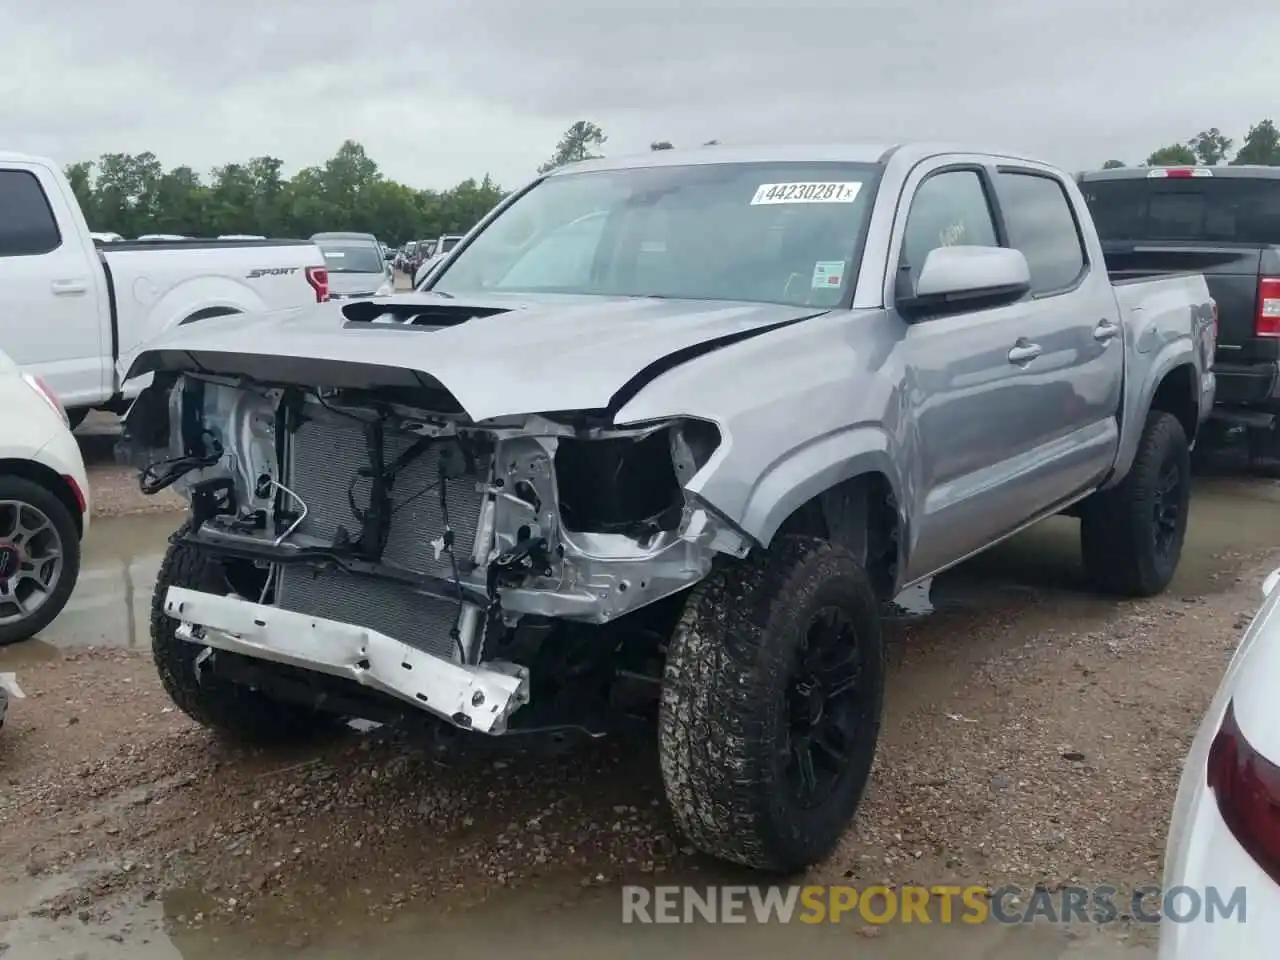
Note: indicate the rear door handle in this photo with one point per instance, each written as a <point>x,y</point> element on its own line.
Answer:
<point>1106,330</point>
<point>69,288</point>
<point>1024,352</point>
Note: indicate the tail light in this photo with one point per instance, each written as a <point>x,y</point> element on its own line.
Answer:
<point>1246,786</point>
<point>318,277</point>
<point>1266,322</point>
<point>38,384</point>
<point>1179,173</point>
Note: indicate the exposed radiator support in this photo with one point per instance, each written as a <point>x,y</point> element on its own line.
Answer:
<point>324,457</point>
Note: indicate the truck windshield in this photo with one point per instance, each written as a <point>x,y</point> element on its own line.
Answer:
<point>1206,209</point>
<point>351,257</point>
<point>769,232</point>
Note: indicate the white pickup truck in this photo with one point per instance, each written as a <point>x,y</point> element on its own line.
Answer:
<point>76,313</point>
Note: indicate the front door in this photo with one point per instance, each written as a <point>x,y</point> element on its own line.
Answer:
<point>973,384</point>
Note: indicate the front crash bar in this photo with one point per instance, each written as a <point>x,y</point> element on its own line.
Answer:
<point>480,698</point>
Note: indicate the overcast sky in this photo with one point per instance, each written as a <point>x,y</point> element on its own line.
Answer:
<point>441,91</point>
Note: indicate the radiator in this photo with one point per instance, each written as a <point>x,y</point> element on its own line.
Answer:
<point>325,458</point>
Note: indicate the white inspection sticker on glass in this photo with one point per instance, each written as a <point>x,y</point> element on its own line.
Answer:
<point>828,274</point>
<point>809,192</point>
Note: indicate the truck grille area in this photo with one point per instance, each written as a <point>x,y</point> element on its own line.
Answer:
<point>325,459</point>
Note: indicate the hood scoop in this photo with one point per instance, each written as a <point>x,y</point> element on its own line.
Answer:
<point>372,313</point>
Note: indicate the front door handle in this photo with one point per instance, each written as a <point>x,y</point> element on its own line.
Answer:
<point>68,288</point>
<point>1024,352</point>
<point>1106,330</point>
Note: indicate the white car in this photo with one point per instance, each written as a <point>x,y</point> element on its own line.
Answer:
<point>1225,832</point>
<point>44,505</point>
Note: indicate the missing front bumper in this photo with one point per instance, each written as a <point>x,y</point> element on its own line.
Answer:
<point>472,697</point>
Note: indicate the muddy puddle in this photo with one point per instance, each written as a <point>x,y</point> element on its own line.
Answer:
<point>565,923</point>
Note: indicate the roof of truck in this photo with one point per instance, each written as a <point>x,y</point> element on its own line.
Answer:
<point>7,156</point>
<point>345,235</point>
<point>1250,171</point>
<point>872,152</point>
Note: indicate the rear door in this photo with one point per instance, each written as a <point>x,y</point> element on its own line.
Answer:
<point>1074,318</point>
<point>1222,223</point>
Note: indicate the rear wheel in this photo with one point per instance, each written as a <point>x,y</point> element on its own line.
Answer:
<point>236,711</point>
<point>1132,535</point>
<point>39,558</point>
<point>771,705</point>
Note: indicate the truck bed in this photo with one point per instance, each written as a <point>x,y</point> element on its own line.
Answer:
<point>1223,222</point>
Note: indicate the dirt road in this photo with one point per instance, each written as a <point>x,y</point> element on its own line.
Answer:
<point>1034,734</point>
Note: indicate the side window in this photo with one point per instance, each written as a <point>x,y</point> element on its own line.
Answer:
<point>27,226</point>
<point>949,209</point>
<point>1038,216</point>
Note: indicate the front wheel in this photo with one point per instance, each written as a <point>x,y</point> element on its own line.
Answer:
<point>39,558</point>
<point>237,712</point>
<point>771,705</point>
<point>1131,536</point>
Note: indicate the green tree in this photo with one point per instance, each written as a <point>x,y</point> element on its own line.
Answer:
<point>1261,145</point>
<point>1174,155</point>
<point>80,176</point>
<point>182,203</point>
<point>1210,146</point>
<point>133,194</point>
<point>575,145</point>
<point>125,192</point>
<point>231,200</point>
<point>1112,164</point>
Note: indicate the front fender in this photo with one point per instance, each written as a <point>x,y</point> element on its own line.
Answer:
<point>759,505</point>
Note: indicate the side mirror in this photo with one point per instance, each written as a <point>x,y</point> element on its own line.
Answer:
<point>967,278</point>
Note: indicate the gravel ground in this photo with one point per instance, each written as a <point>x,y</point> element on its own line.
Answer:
<point>1032,736</point>
<point>1054,759</point>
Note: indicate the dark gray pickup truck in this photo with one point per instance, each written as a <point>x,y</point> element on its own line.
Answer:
<point>1223,222</point>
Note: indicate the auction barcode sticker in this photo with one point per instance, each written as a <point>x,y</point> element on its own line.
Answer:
<point>811,192</point>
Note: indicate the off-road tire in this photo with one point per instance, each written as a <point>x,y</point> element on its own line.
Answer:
<point>1117,526</point>
<point>723,714</point>
<point>237,712</point>
<point>44,500</point>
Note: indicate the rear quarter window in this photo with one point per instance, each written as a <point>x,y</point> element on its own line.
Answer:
<point>27,225</point>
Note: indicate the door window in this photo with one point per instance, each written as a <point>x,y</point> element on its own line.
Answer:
<point>1038,216</point>
<point>949,209</point>
<point>27,224</point>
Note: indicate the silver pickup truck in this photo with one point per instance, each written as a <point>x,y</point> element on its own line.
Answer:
<point>677,423</point>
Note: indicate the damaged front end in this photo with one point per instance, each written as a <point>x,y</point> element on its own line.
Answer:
<point>381,536</point>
